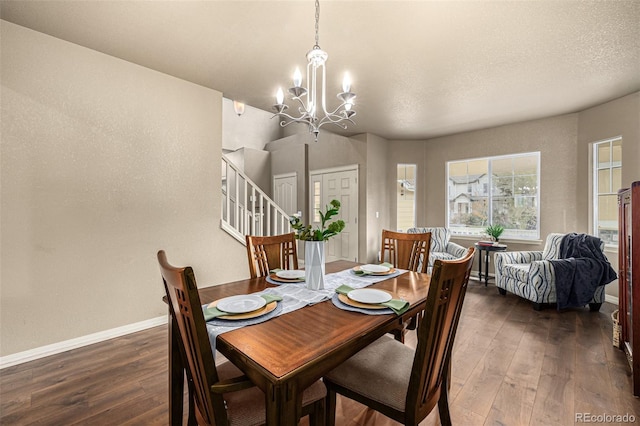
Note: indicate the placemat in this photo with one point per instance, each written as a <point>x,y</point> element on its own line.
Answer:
<point>340,305</point>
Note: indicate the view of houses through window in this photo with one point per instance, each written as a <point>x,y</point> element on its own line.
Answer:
<point>500,190</point>
<point>607,180</point>
<point>406,197</point>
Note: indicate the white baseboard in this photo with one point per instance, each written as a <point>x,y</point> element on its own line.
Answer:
<point>611,299</point>
<point>56,348</point>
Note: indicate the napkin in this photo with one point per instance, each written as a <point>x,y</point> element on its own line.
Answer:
<point>361,272</point>
<point>213,312</point>
<point>396,305</point>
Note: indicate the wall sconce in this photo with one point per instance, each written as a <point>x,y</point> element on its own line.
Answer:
<point>238,107</point>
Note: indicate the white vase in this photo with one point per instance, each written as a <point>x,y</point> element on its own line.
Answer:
<point>314,264</point>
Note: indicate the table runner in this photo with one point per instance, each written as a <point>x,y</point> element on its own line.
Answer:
<point>297,296</point>
<point>367,279</point>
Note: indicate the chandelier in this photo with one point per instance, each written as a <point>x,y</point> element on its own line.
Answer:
<point>312,113</point>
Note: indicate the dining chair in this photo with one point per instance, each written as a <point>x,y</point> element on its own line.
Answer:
<point>398,381</point>
<point>268,253</point>
<point>406,251</point>
<point>219,395</point>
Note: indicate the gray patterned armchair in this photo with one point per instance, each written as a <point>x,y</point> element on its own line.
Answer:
<point>441,247</point>
<point>530,274</point>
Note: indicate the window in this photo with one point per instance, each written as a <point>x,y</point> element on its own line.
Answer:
<point>607,180</point>
<point>316,201</point>
<point>495,191</point>
<point>406,197</point>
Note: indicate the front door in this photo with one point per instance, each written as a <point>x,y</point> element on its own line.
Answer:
<point>342,185</point>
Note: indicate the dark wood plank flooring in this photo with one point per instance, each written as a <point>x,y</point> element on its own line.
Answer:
<point>512,366</point>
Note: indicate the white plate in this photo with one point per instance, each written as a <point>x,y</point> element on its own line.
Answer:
<point>290,274</point>
<point>374,269</point>
<point>241,304</point>
<point>369,295</point>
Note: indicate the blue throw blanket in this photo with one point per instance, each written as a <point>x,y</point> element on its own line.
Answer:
<point>580,270</point>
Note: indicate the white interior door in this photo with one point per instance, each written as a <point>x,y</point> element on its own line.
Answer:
<point>341,185</point>
<point>285,192</point>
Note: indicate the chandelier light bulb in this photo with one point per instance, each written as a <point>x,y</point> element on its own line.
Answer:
<point>297,78</point>
<point>346,83</point>
<point>238,107</point>
<point>279,96</point>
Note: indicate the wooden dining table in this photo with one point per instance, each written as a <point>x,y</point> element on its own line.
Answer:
<point>286,354</point>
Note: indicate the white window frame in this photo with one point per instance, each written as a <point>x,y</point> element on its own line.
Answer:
<point>415,200</point>
<point>474,233</point>
<point>594,171</point>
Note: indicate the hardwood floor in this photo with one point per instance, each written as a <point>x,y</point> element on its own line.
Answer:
<point>512,366</point>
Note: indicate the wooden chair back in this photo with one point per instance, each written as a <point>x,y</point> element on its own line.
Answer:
<point>268,253</point>
<point>184,303</point>
<point>406,251</point>
<point>436,334</point>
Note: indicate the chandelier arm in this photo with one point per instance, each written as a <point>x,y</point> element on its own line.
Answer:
<point>285,115</point>
<point>302,108</point>
<point>330,117</point>
<point>343,125</point>
<point>335,111</point>
<point>284,123</point>
<point>335,123</point>
<point>304,115</point>
<point>328,120</point>
<point>334,118</point>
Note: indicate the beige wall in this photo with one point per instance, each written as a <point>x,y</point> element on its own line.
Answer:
<point>256,164</point>
<point>300,153</point>
<point>369,152</point>
<point>378,211</point>
<point>287,156</point>
<point>103,163</point>
<point>253,129</point>
<point>564,143</point>
<point>407,152</point>
<point>554,137</point>
<point>620,117</point>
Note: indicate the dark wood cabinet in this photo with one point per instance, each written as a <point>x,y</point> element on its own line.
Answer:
<point>629,278</point>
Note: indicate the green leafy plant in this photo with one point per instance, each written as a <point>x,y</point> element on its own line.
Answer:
<point>325,231</point>
<point>494,231</point>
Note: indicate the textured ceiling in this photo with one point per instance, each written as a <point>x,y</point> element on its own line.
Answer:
<point>420,68</point>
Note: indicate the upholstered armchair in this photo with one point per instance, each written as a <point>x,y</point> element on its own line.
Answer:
<point>530,274</point>
<point>441,248</point>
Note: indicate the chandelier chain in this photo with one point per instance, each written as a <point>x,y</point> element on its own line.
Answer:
<point>317,24</point>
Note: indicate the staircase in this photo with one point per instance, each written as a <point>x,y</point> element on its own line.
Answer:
<point>246,209</point>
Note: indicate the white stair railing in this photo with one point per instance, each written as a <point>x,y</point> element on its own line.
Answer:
<point>246,209</point>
